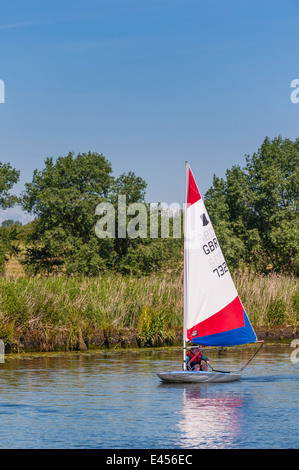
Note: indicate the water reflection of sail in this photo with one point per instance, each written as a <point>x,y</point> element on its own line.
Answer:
<point>209,420</point>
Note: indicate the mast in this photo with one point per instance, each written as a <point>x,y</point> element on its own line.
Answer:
<point>185,267</point>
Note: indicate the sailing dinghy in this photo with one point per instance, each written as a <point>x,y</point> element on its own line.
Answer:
<point>213,313</point>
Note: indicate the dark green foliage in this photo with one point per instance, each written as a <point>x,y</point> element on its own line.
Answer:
<point>8,177</point>
<point>255,210</point>
<point>149,255</point>
<point>64,197</point>
<point>5,246</point>
<point>10,222</point>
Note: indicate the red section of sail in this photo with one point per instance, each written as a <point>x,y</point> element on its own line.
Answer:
<point>193,193</point>
<point>228,318</point>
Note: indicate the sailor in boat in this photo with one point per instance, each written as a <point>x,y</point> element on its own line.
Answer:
<point>194,360</point>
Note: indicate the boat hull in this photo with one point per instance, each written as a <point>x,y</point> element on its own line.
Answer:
<point>198,376</point>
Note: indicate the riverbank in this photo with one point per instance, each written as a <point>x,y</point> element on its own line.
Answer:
<point>113,311</point>
<point>59,341</point>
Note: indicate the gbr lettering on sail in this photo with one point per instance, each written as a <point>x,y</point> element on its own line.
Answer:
<point>211,248</point>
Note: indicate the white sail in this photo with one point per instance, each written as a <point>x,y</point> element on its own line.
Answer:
<point>213,312</point>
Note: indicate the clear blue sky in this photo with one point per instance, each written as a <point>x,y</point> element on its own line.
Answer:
<point>148,83</point>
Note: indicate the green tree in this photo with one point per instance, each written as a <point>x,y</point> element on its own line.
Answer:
<point>133,189</point>
<point>258,206</point>
<point>10,222</point>
<point>217,204</point>
<point>141,255</point>
<point>8,177</point>
<point>63,196</point>
<point>273,181</point>
<point>130,185</point>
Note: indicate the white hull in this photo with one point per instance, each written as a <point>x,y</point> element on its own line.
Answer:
<point>198,376</point>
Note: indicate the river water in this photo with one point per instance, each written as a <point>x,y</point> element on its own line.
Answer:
<point>114,400</point>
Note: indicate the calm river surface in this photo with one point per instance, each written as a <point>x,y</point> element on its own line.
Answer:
<point>114,400</point>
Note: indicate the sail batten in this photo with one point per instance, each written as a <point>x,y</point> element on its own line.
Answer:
<point>213,312</point>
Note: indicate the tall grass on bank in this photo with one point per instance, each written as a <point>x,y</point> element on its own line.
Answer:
<point>151,305</point>
<point>269,300</point>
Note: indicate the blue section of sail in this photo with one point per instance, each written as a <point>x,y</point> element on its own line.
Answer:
<point>235,337</point>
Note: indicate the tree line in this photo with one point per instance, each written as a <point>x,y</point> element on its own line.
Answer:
<point>254,211</point>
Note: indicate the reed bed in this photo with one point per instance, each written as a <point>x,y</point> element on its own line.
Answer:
<point>269,300</point>
<point>151,305</point>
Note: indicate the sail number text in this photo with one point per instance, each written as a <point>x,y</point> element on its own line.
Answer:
<point>210,246</point>
<point>221,269</point>
<point>216,261</point>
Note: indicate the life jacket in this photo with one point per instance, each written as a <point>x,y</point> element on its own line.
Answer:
<point>194,359</point>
